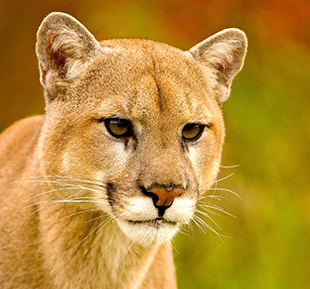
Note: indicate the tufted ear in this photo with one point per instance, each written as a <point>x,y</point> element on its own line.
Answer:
<point>222,55</point>
<point>64,47</point>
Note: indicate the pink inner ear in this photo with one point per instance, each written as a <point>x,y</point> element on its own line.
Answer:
<point>226,67</point>
<point>54,52</point>
<point>43,74</point>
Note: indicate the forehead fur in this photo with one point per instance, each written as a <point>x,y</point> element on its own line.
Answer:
<point>142,79</point>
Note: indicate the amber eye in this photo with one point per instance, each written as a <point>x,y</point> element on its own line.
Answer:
<point>118,127</point>
<point>192,131</point>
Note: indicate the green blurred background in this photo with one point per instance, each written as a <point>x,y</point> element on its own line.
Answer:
<point>267,119</point>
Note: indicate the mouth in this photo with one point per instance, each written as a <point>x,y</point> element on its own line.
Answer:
<point>154,223</point>
<point>149,232</point>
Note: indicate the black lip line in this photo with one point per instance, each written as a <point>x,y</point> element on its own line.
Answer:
<point>154,221</point>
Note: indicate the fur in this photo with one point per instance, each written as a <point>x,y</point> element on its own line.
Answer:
<point>78,203</point>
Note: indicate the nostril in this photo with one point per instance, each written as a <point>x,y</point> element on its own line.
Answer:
<point>154,197</point>
<point>163,197</point>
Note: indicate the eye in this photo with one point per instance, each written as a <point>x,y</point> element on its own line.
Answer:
<point>118,127</point>
<point>192,131</point>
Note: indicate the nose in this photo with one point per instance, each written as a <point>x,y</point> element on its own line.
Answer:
<point>163,197</point>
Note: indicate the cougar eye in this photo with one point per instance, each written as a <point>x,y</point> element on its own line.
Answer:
<point>118,127</point>
<point>192,131</point>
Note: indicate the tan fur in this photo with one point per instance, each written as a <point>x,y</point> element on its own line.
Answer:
<point>77,205</point>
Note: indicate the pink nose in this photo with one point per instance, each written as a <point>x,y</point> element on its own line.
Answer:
<point>165,197</point>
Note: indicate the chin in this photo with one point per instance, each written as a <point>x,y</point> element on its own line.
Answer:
<point>149,233</point>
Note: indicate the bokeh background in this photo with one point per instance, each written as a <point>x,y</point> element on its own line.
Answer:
<point>267,117</point>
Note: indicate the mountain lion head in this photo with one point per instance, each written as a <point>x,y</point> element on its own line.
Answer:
<point>133,128</point>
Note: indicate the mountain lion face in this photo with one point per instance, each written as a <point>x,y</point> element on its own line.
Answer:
<point>133,128</point>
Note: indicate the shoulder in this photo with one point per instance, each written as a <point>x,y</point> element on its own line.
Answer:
<point>21,134</point>
<point>24,126</point>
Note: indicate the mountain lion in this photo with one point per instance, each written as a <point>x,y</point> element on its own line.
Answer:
<point>92,193</point>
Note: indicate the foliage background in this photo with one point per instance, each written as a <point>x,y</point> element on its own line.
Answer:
<point>267,120</point>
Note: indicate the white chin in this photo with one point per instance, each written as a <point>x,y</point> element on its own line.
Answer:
<point>150,233</point>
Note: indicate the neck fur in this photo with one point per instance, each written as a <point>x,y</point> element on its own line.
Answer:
<point>81,251</point>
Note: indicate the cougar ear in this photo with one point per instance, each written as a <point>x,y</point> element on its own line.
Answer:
<point>64,46</point>
<point>223,56</point>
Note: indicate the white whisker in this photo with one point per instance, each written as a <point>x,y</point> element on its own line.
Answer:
<point>208,216</point>
<point>230,167</point>
<point>77,213</point>
<point>194,219</point>
<point>212,197</point>
<point>183,231</point>
<point>96,218</point>
<point>128,249</point>
<point>39,209</point>
<point>103,223</point>
<point>217,181</point>
<point>64,201</point>
<point>174,247</point>
<point>53,190</point>
<point>197,220</point>
<point>215,207</point>
<point>109,218</point>
<point>223,189</point>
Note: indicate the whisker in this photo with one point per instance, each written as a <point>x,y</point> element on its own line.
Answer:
<point>191,228</point>
<point>50,191</point>
<point>50,203</point>
<point>39,209</point>
<point>215,207</point>
<point>102,223</point>
<point>223,189</point>
<point>67,184</point>
<point>210,218</point>
<point>77,213</point>
<point>87,198</point>
<point>63,181</point>
<point>183,231</point>
<point>217,181</point>
<point>64,201</point>
<point>83,181</point>
<point>88,181</point>
<point>128,249</point>
<point>215,197</point>
<point>109,218</point>
<point>230,167</point>
<point>94,219</point>
<point>188,227</point>
<point>174,247</point>
<point>207,226</point>
<point>194,219</point>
